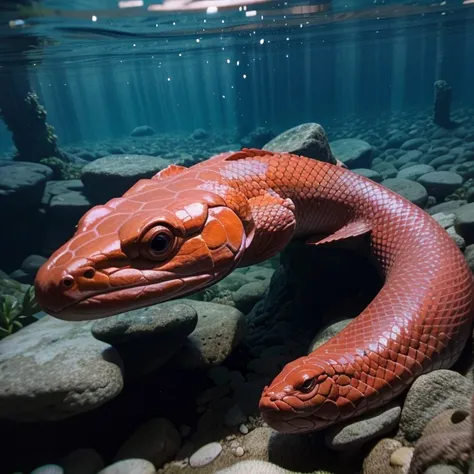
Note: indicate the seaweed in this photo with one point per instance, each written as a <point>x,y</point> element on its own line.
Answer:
<point>16,314</point>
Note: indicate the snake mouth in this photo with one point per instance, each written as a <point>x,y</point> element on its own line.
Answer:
<point>113,301</point>
<point>282,417</point>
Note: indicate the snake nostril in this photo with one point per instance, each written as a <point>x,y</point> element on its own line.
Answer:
<point>89,273</point>
<point>67,282</point>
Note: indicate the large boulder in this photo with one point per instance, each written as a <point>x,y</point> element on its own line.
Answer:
<point>354,153</point>
<point>307,139</point>
<point>112,175</point>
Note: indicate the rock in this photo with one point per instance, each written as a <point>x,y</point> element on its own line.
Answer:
<point>147,338</point>
<point>113,175</point>
<point>48,469</point>
<point>248,295</point>
<point>308,139</point>
<point>368,173</point>
<point>443,219</point>
<point>446,207</point>
<point>356,433</point>
<point>410,190</point>
<point>440,183</point>
<point>386,170</point>
<point>410,157</point>
<point>469,256</point>
<point>414,172</point>
<point>327,333</point>
<point>396,139</point>
<point>220,328</point>
<point>146,323</point>
<point>402,457</point>
<point>82,461</point>
<point>130,466</point>
<point>157,441</point>
<point>378,460</point>
<point>199,134</point>
<point>205,455</point>
<point>142,131</point>
<point>354,153</point>
<point>32,264</point>
<point>442,160</point>
<point>430,395</point>
<point>257,138</point>
<point>54,369</point>
<point>53,188</point>
<point>253,467</point>
<point>443,469</point>
<point>413,144</point>
<point>70,206</point>
<point>458,240</point>
<point>464,222</point>
<point>21,185</point>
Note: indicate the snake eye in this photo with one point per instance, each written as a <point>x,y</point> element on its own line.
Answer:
<point>307,385</point>
<point>158,243</point>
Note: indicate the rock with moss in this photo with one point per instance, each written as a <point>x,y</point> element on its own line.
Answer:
<point>62,170</point>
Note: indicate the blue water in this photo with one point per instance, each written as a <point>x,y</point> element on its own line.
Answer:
<point>101,71</point>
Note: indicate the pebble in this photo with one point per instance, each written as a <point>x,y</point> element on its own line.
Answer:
<point>430,395</point>
<point>443,219</point>
<point>253,467</point>
<point>205,455</point>
<point>243,429</point>
<point>157,441</point>
<point>48,469</point>
<point>464,222</point>
<point>239,451</point>
<point>440,183</point>
<point>373,425</point>
<point>414,172</point>
<point>410,190</point>
<point>401,457</point>
<point>82,461</point>
<point>130,466</point>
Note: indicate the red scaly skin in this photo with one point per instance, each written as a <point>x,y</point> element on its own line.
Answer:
<point>237,209</point>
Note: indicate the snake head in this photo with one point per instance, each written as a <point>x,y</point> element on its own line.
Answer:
<point>150,246</point>
<point>308,395</point>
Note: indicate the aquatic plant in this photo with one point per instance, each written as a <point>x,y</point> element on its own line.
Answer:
<point>15,314</point>
<point>61,169</point>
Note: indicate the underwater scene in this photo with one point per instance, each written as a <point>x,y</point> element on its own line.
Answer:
<point>236,236</point>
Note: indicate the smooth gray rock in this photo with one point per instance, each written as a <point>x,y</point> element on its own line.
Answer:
<point>368,173</point>
<point>113,175</point>
<point>307,139</point>
<point>249,294</point>
<point>414,144</point>
<point>464,222</point>
<point>21,185</point>
<point>440,183</point>
<point>220,328</point>
<point>410,190</point>
<point>54,369</point>
<point>53,188</point>
<point>373,425</point>
<point>447,207</point>
<point>142,131</point>
<point>129,466</point>
<point>157,441</point>
<point>147,338</point>
<point>430,395</point>
<point>146,323</point>
<point>354,153</point>
<point>414,172</point>
<point>386,170</point>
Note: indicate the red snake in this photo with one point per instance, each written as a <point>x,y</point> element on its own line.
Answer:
<point>187,228</point>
